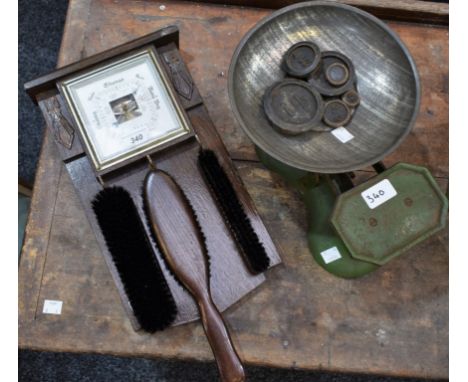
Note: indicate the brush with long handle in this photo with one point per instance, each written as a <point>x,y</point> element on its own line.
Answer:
<point>179,236</point>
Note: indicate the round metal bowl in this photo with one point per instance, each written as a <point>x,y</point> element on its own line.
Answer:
<point>387,80</point>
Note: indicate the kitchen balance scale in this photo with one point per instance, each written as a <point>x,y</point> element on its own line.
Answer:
<point>353,228</point>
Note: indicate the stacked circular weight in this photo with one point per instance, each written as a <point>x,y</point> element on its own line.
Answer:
<point>388,86</point>
<point>295,106</point>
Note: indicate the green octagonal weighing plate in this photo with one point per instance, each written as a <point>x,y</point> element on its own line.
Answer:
<point>385,216</point>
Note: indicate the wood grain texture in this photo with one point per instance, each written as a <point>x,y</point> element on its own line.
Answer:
<point>394,321</point>
<point>404,10</point>
<point>183,243</point>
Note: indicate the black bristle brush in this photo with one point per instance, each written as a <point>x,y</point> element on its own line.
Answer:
<point>251,248</point>
<point>134,258</point>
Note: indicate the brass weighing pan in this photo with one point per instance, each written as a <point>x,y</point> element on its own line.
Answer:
<point>386,75</point>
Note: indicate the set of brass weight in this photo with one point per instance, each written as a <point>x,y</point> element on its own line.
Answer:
<point>319,87</point>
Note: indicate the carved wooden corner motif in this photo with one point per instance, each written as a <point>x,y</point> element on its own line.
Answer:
<point>180,78</point>
<point>64,133</point>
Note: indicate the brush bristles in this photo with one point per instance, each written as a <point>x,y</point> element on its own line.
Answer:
<point>134,258</point>
<point>249,244</point>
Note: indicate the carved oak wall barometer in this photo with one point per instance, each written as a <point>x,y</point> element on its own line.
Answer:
<point>124,109</point>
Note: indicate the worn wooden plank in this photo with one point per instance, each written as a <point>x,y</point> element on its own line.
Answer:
<point>43,201</point>
<point>393,321</point>
<point>37,233</point>
<point>427,12</point>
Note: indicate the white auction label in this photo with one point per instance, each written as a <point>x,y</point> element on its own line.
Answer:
<point>342,134</point>
<point>330,255</point>
<point>52,307</point>
<point>379,193</point>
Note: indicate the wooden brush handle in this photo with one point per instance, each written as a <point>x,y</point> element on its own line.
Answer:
<point>176,228</point>
<point>229,364</point>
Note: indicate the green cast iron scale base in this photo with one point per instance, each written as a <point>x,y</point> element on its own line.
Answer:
<point>347,235</point>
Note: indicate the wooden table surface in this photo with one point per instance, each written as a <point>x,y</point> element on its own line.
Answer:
<point>393,321</point>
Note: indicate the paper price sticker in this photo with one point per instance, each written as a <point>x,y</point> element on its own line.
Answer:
<point>330,255</point>
<point>52,307</point>
<point>378,194</point>
<point>342,134</point>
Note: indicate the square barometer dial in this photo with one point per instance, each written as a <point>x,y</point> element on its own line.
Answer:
<point>125,109</point>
